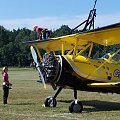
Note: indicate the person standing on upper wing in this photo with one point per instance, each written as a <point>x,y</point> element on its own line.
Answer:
<point>42,33</point>
<point>6,84</point>
<point>39,31</point>
<point>46,34</point>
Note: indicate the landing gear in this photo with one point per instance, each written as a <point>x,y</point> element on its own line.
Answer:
<point>75,106</point>
<point>50,102</point>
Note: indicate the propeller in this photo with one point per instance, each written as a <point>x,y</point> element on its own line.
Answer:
<point>34,55</point>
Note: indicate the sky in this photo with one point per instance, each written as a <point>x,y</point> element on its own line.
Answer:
<point>52,14</point>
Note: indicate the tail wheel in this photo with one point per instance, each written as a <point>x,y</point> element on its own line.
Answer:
<point>76,107</point>
<point>50,102</point>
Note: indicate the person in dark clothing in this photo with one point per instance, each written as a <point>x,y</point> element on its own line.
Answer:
<point>46,34</point>
<point>6,84</point>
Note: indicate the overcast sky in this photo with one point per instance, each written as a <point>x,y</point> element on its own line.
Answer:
<point>52,14</point>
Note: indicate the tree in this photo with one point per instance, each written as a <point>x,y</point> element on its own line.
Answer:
<point>64,30</point>
<point>4,37</point>
<point>14,53</point>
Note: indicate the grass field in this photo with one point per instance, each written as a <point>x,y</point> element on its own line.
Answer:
<point>27,96</point>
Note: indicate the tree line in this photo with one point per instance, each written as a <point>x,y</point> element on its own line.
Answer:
<point>14,53</point>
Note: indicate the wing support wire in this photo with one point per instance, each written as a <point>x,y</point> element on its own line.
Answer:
<point>76,53</point>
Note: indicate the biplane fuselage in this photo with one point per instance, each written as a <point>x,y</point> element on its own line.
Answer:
<point>92,75</point>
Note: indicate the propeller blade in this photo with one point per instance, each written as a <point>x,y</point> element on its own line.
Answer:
<point>34,55</point>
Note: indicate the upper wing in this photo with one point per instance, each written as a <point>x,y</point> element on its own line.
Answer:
<point>108,35</point>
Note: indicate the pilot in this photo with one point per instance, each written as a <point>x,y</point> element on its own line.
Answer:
<point>107,56</point>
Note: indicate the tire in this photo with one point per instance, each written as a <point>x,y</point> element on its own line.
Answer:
<point>75,108</point>
<point>50,102</point>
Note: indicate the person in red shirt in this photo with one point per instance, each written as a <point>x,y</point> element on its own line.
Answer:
<point>6,84</point>
<point>39,31</point>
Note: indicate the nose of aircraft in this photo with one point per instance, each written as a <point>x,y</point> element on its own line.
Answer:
<point>51,65</point>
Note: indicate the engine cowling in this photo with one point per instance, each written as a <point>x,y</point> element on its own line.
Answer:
<point>51,67</point>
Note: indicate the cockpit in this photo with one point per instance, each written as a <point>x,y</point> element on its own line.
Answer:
<point>113,57</point>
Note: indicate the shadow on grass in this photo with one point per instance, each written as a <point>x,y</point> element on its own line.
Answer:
<point>97,105</point>
<point>22,103</point>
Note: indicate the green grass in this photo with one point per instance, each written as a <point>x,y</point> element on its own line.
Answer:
<point>27,96</point>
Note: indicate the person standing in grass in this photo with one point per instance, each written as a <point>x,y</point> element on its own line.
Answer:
<point>6,84</point>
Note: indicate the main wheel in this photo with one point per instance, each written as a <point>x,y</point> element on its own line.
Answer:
<point>76,107</point>
<point>50,102</point>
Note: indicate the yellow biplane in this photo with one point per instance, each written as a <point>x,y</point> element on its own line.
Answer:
<point>66,64</point>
